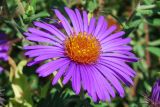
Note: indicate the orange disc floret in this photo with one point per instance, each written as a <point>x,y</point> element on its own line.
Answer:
<point>82,48</point>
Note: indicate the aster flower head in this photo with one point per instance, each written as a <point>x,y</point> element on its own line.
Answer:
<point>88,53</point>
<point>4,47</point>
<point>154,98</point>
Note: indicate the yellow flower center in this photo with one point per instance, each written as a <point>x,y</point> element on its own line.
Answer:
<point>82,48</point>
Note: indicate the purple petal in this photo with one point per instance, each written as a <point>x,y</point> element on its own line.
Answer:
<point>107,84</point>
<point>79,17</point>
<point>36,38</point>
<point>119,71</point>
<point>129,71</point>
<point>118,48</point>
<point>65,23</point>
<point>107,87</point>
<point>51,29</point>
<point>99,85</point>
<point>48,56</point>
<point>85,21</point>
<point>99,25</point>
<point>43,34</point>
<point>113,36</point>
<point>38,47</point>
<point>32,63</point>
<point>107,32</point>
<point>110,77</point>
<point>120,57</point>
<point>4,56</point>
<point>61,71</point>
<point>69,72</point>
<point>91,25</point>
<point>74,19</point>
<point>92,83</point>
<point>1,70</point>
<point>44,51</point>
<point>52,66</point>
<point>102,30</point>
<point>76,84</point>
<point>117,43</point>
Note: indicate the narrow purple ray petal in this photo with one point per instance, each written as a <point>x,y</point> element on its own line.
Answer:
<point>43,53</point>
<point>51,29</point>
<point>113,36</point>
<point>48,56</point>
<point>96,84</point>
<point>91,25</point>
<point>79,17</point>
<point>120,56</point>
<point>128,70</point>
<point>74,19</point>
<point>101,91</point>
<point>43,34</point>
<point>52,66</point>
<point>3,56</point>
<point>61,71</point>
<point>124,53</point>
<point>102,30</point>
<point>121,67</point>
<point>117,43</point>
<point>88,83</point>
<point>85,21</point>
<point>1,70</point>
<point>76,84</point>
<point>38,47</point>
<point>92,84</point>
<point>99,25</point>
<point>118,48</point>
<point>65,23</point>
<point>38,51</point>
<point>84,77</point>
<point>119,71</point>
<point>108,86</point>
<point>111,77</point>
<point>32,63</point>
<point>35,38</point>
<point>111,42</point>
<point>69,72</point>
<point>107,32</point>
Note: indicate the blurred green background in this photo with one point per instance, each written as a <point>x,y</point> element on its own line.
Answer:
<point>22,87</point>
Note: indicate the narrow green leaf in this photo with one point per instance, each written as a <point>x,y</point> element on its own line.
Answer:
<point>155,51</point>
<point>155,43</point>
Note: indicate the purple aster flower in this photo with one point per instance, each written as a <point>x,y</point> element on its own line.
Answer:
<point>154,98</point>
<point>4,47</point>
<point>88,53</point>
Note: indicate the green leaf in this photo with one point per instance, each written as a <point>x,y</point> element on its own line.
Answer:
<point>158,3</point>
<point>154,22</point>
<point>33,3</point>
<point>21,86</point>
<point>148,2</point>
<point>146,12</point>
<point>39,15</point>
<point>154,50</point>
<point>155,43</point>
<point>92,5</point>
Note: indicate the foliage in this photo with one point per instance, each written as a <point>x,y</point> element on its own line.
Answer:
<point>22,87</point>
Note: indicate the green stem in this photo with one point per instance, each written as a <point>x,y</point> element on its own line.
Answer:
<point>83,98</point>
<point>137,3</point>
